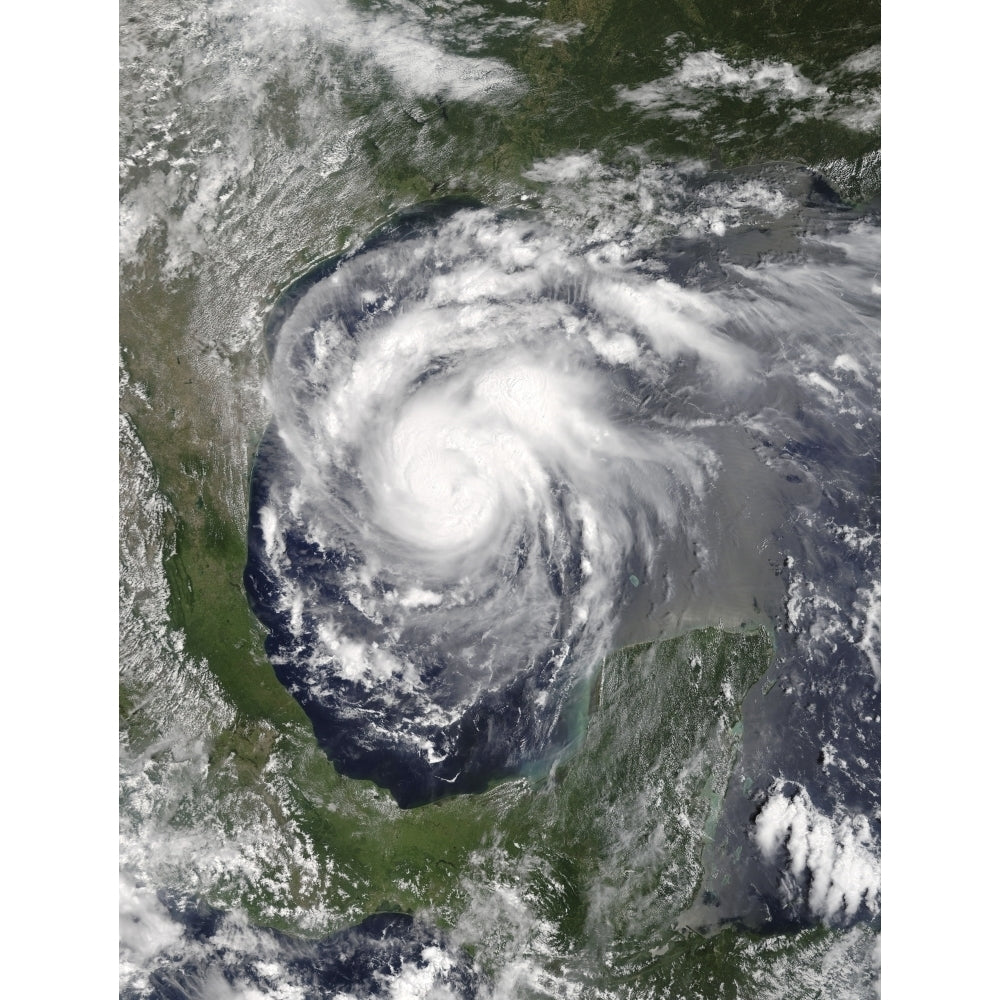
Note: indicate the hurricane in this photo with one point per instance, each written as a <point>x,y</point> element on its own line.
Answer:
<point>497,454</point>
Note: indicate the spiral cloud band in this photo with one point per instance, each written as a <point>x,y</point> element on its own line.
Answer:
<point>494,456</point>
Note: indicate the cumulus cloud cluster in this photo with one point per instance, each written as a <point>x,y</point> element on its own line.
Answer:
<point>831,864</point>
<point>709,71</point>
<point>698,79</point>
<point>174,946</point>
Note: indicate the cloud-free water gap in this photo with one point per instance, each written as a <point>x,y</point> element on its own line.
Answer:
<point>486,430</point>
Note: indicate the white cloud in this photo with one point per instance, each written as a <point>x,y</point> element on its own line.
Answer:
<point>568,167</point>
<point>700,78</point>
<point>835,862</point>
<point>701,72</point>
<point>549,33</point>
<point>868,61</point>
<point>145,929</point>
<point>868,620</point>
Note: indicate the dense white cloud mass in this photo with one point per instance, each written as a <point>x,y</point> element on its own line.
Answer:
<point>699,80</point>
<point>834,862</point>
<point>709,71</point>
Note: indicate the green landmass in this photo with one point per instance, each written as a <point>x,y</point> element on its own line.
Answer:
<point>655,760</point>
